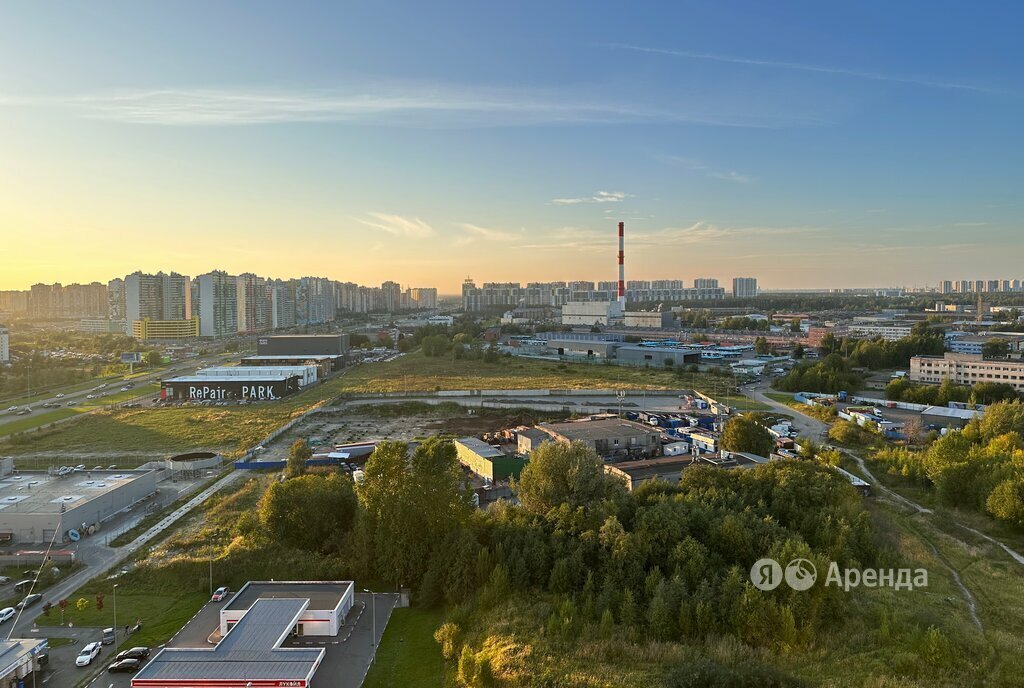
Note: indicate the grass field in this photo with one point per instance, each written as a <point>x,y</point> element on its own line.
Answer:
<point>38,420</point>
<point>408,656</point>
<point>418,373</point>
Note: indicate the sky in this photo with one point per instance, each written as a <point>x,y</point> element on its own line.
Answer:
<point>807,144</point>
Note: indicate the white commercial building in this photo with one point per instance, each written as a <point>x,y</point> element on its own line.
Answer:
<point>328,604</point>
<point>967,369</point>
<point>307,373</point>
<point>592,313</point>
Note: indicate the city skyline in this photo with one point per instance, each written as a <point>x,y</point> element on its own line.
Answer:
<point>392,142</point>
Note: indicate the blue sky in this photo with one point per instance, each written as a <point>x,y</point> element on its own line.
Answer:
<point>807,144</point>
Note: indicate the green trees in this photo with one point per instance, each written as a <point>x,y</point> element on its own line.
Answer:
<point>995,348</point>
<point>153,358</point>
<point>560,474</point>
<point>746,434</point>
<point>1006,501</point>
<point>415,507</point>
<point>297,457</point>
<point>832,374</point>
<point>310,512</point>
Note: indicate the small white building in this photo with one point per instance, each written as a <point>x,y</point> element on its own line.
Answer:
<point>328,604</point>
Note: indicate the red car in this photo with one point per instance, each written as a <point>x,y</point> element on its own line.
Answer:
<point>220,593</point>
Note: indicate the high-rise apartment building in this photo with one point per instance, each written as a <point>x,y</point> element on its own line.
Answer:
<point>5,345</point>
<point>117,303</point>
<point>314,301</point>
<point>705,283</point>
<point>14,302</point>
<point>255,303</point>
<point>157,297</point>
<point>423,298</point>
<point>282,304</point>
<point>217,296</point>
<point>392,295</point>
<point>744,287</point>
<point>947,287</point>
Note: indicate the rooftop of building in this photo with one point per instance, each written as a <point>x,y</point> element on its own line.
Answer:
<point>262,379</point>
<point>480,447</point>
<point>292,357</point>
<point>944,412</point>
<point>250,651</point>
<point>321,594</point>
<point>40,493</point>
<point>533,433</point>
<point>592,429</point>
<point>13,649</point>
<point>648,468</point>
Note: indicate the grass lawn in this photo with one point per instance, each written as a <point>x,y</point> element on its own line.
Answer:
<point>162,614</point>
<point>408,655</point>
<point>37,420</point>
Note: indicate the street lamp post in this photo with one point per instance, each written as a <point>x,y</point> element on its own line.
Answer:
<point>115,615</point>
<point>373,613</point>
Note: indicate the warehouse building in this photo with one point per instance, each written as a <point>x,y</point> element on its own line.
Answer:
<point>325,363</point>
<point>593,348</point>
<point>528,439</point>
<point>656,356</point>
<point>612,438</point>
<point>34,506</point>
<point>303,345</point>
<point>592,313</point>
<point>943,417</point>
<point>636,473</point>
<point>229,388</point>
<point>651,320</point>
<point>307,373</point>
<point>487,461</point>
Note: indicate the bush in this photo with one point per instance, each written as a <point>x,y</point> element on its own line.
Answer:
<point>707,673</point>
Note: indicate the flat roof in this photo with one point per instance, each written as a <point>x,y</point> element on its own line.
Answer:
<point>322,595</point>
<point>292,357</point>
<point>229,378</point>
<point>964,414</point>
<point>598,429</point>
<point>646,468</point>
<point>251,652</point>
<point>480,447</point>
<point>13,651</point>
<point>40,493</point>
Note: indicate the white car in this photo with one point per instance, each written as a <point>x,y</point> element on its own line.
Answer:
<point>125,389</point>
<point>12,409</point>
<point>87,654</point>
<point>90,396</point>
<point>59,396</point>
<point>6,614</point>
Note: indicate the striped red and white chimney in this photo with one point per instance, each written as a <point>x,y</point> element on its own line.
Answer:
<point>622,266</point>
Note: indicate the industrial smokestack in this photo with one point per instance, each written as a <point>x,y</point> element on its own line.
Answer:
<point>622,267</point>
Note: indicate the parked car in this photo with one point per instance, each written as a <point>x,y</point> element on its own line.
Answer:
<point>29,600</point>
<point>4,580</point>
<point>220,593</point>
<point>7,613</point>
<point>108,636</point>
<point>42,659</point>
<point>88,653</point>
<point>134,653</point>
<point>127,665</point>
<point>22,585</point>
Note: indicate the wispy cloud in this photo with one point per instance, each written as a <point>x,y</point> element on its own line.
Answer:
<point>805,67</point>
<point>599,197</point>
<point>402,105</point>
<point>396,225</point>
<point>590,240</point>
<point>489,233</point>
<point>701,168</point>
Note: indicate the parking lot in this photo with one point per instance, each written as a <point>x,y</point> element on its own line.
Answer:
<point>347,657</point>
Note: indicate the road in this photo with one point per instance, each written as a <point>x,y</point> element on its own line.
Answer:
<point>78,398</point>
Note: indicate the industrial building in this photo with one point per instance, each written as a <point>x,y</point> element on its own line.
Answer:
<point>35,506</point>
<point>303,345</point>
<point>324,364</point>
<point>966,369</point>
<point>229,388</point>
<point>591,313</point>
<point>656,356</point>
<point>487,461</point>
<point>528,439</point>
<point>612,438</point>
<point>636,473</point>
<point>147,329</point>
<point>963,343</point>
<point>651,320</point>
<point>944,417</point>
<point>307,373</point>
